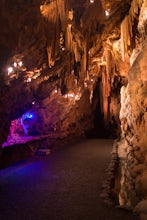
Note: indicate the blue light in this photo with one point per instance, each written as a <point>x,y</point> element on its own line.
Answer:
<point>29,116</point>
<point>26,116</point>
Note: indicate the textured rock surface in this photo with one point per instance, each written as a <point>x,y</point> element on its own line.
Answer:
<point>67,46</point>
<point>133,144</point>
<point>85,61</point>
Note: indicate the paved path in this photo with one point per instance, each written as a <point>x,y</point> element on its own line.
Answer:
<point>62,186</point>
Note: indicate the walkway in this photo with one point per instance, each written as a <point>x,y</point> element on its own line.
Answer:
<point>62,186</point>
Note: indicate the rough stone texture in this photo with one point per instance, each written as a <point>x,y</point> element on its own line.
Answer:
<point>56,116</point>
<point>62,43</point>
<point>78,55</point>
<point>133,144</point>
<point>141,208</point>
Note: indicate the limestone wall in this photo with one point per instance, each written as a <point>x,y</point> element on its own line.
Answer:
<point>132,149</point>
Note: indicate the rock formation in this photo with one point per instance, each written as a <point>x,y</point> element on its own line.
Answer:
<point>72,68</point>
<point>133,143</point>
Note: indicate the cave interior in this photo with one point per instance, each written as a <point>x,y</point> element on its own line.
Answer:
<point>73,69</point>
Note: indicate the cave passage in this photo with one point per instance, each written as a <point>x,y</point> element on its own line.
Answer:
<point>64,185</point>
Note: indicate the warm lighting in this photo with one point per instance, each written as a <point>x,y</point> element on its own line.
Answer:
<point>69,27</point>
<point>20,63</point>
<point>33,103</point>
<point>70,95</point>
<point>15,64</point>
<point>55,90</point>
<point>77,97</point>
<point>85,84</point>
<point>70,15</point>
<point>145,15</point>
<point>29,79</point>
<point>91,1</point>
<point>10,70</point>
<point>35,77</point>
<point>107,13</point>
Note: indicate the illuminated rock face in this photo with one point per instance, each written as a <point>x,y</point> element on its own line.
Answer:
<point>133,116</point>
<point>56,117</point>
<point>87,62</point>
<point>63,39</point>
<point>133,147</point>
<point>47,34</point>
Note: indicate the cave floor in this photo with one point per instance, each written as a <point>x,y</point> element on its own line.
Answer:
<point>64,185</point>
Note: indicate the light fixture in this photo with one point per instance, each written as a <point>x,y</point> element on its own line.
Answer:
<point>91,1</point>
<point>85,84</point>
<point>30,116</point>
<point>107,13</point>
<point>26,116</point>
<point>10,70</point>
<point>77,97</point>
<point>33,103</point>
<point>29,79</point>
<point>20,63</point>
<point>70,95</point>
<point>15,64</point>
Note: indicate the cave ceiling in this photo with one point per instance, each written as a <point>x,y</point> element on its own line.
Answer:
<point>25,31</point>
<point>77,68</point>
<point>56,38</point>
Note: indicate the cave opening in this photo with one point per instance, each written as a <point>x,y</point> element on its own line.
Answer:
<point>101,127</point>
<point>101,130</point>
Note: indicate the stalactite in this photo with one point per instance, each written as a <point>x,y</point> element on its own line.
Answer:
<point>76,51</point>
<point>54,13</point>
<point>125,36</point>
<point>105,95</point>
<point>142,25</point>
<point>69,37</point>
<point>62,10</point>
<point>126,27</point>
<point>108,58</point>
<point>135,7</point>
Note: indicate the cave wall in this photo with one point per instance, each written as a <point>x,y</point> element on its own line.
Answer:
<point>56,117</point>
<point>93,75</point>
<point>41,32</point>
<point>134,136</point>
<point>81,49</point>
<point>132,147</point>
<point>67,41</point>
